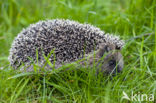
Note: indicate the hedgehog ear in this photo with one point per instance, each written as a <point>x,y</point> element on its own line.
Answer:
<point>103,48</point>
<point>118,48</point>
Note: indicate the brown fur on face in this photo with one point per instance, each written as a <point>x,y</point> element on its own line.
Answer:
<point>108,59</point>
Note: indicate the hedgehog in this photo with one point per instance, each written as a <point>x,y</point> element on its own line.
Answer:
<point>70,41</point>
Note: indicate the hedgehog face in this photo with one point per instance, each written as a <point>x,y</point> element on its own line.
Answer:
<point>113,59</point>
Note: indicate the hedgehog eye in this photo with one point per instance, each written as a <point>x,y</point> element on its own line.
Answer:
<point>112,62</point>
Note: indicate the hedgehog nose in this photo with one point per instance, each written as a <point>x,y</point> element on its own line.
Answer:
<point>119,69</point>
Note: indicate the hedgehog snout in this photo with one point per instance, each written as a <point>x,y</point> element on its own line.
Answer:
<point>119,63</point>
<point>117,69</point>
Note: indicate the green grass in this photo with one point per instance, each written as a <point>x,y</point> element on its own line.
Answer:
<point>130,19</point>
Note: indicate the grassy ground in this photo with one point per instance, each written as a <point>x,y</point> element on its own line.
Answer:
<point>133,20</point>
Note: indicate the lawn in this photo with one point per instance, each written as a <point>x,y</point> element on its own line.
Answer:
<point>133,20</point>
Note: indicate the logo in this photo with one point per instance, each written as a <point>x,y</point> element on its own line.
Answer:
<point>138,97</point>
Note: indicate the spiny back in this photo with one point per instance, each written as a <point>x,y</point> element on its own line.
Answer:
<point>70,39</point>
